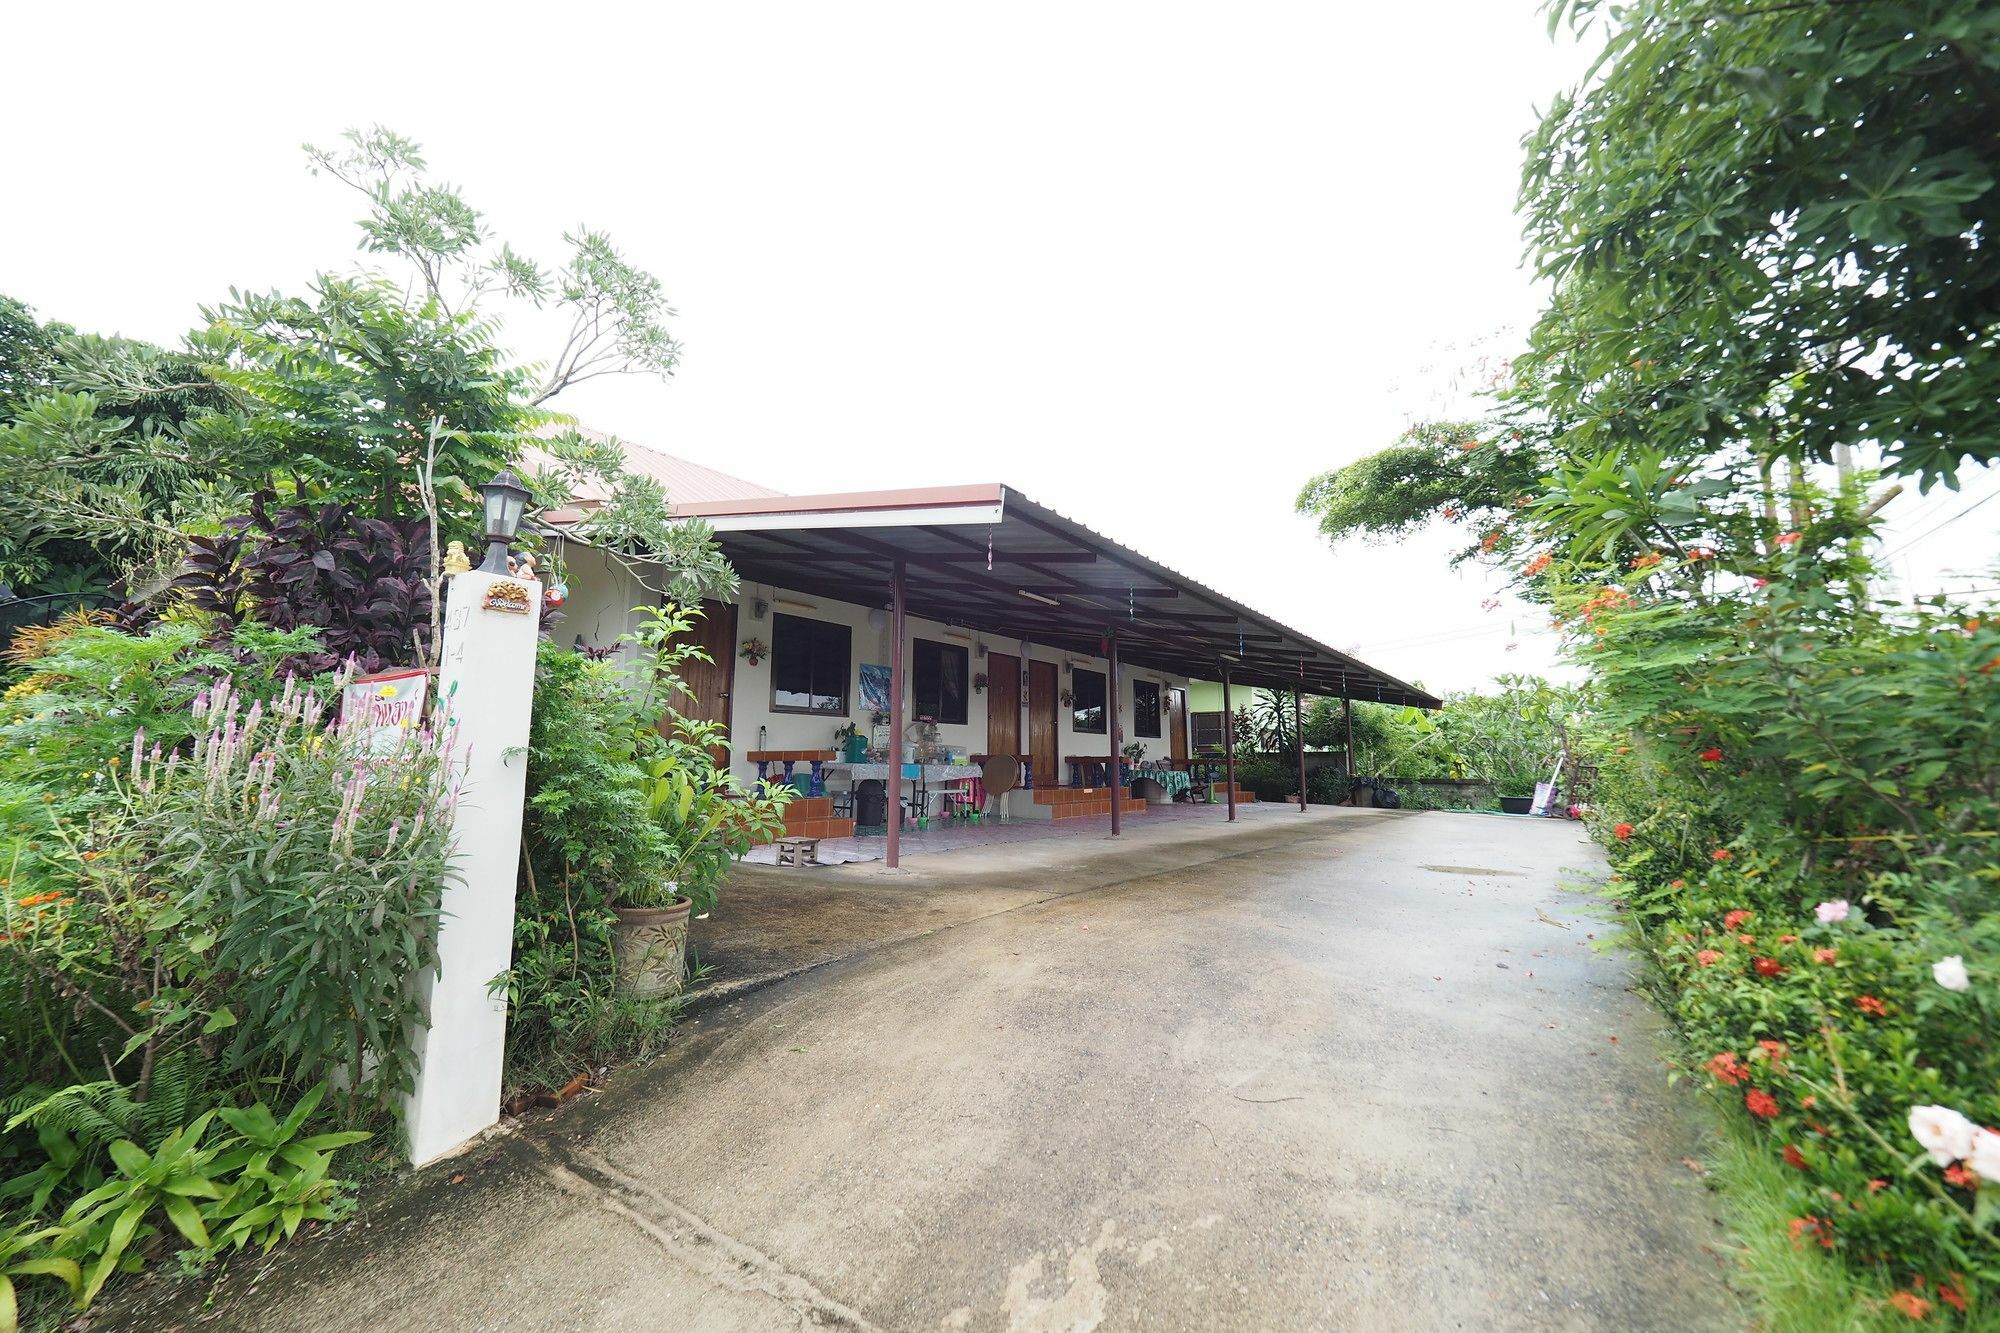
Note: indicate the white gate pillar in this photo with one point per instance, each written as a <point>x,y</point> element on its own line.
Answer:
<point>486,678</point>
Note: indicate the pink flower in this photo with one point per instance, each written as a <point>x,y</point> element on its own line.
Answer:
<point>1833,910</point>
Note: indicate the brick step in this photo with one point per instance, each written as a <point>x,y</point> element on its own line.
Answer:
<point>1070,795</point>
<point>808,807</point>
<point>1089,809</point>
<point>1221,793</point>
<point>818,828</point>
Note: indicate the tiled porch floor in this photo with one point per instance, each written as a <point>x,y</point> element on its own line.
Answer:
<point>946,838</point>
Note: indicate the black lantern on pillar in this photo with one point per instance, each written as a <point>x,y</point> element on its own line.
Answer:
<point>506,500</point>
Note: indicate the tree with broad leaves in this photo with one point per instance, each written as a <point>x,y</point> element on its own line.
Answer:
<point>1771,232</point>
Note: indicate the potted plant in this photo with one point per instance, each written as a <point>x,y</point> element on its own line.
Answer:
<point>697,818</point>
<point>979,682</point>
<point>753,651</point>
<point>853,746</point>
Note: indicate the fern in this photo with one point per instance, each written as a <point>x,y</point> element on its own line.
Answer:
<point>99,1114</point>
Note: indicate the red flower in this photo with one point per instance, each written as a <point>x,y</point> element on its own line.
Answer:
<point>1911,1304</point>
<point>1621,831</point>
<point>1761,1103</point>
<point>1678,884</point>
<point>1746,939</point>
<point>1722,854</point>
<point>1786,539</point>
<point>1760,583</point>
<point>1811,1228</point>
<point>1825,955</point>
<point>1868,1004</point>
<point>1959,1176</point>
<point>1788,939</point>
<point>1795,1158</point>
<point>1727,1068</point>
<point>1736,918</point>
<point>1949,1293</point>
<point>1768,967</point>
<point>1537,565</point>
<point>1776,1050</point>
<point>1877,1185</point>
<point>1708,957</point>
<point>1646,561</point>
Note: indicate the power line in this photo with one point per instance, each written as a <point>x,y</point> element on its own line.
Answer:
<point>1940,527</point>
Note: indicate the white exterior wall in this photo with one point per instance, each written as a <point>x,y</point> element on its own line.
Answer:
<point>602,593</point>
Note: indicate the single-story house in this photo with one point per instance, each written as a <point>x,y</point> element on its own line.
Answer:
<point>1009,628</point>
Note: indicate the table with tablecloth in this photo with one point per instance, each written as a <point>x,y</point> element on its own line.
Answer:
<point>922,777</point>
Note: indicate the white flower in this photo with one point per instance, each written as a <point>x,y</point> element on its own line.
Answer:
<point>1829,912</point>
<point>1984,1159</point>
<point>1945,1134</point>
<point>1950,973</point>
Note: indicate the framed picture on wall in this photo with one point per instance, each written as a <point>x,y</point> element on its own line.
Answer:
<point>874,688</point>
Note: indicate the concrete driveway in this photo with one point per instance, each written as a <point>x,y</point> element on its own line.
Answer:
<point>1338,1070</point>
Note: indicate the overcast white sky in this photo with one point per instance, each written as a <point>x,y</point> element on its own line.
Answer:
<point>1153,265</point>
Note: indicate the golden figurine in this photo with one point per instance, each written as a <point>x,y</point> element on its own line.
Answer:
<point>455,559</point>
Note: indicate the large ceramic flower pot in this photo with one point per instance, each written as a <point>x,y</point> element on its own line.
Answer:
<point>650,944</point>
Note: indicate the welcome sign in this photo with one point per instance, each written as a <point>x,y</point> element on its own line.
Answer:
<point>388,701</point>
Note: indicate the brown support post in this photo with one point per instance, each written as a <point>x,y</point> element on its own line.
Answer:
<point>1347,718</point>
<point>1299,738</point>
<point>1117,735</point>
<point>895,714</point>
<point>1228,742</point>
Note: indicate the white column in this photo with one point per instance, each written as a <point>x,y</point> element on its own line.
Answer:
<point>486,677</point>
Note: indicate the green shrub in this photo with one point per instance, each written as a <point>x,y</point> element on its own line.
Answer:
<point>626,806</point>
<point>1326,786</point>
<point>1801,844</point>
<point>1267,779</point>
<point>253,1181</point>
<point>266,898</point>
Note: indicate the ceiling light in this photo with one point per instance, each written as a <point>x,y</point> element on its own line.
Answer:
<point>1037,597</point>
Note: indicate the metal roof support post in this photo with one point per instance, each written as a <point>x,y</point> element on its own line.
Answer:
<point>1299,738</point>
<point>1347,720</point>
<point>1228,742</point>
<point>1117,735</point>
<point>895,803</point>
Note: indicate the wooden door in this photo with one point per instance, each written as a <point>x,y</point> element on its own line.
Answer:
<point>1003,704</point>
<point>1043,735</point>
<point>1176,719</point>
<point>706,697</point>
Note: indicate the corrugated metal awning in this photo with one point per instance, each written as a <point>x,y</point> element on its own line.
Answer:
<point>988,558</point>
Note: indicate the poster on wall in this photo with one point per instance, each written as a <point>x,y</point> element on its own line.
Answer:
<point>874,688</point>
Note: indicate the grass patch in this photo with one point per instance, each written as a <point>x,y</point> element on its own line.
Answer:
<point>1800,1289</point>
